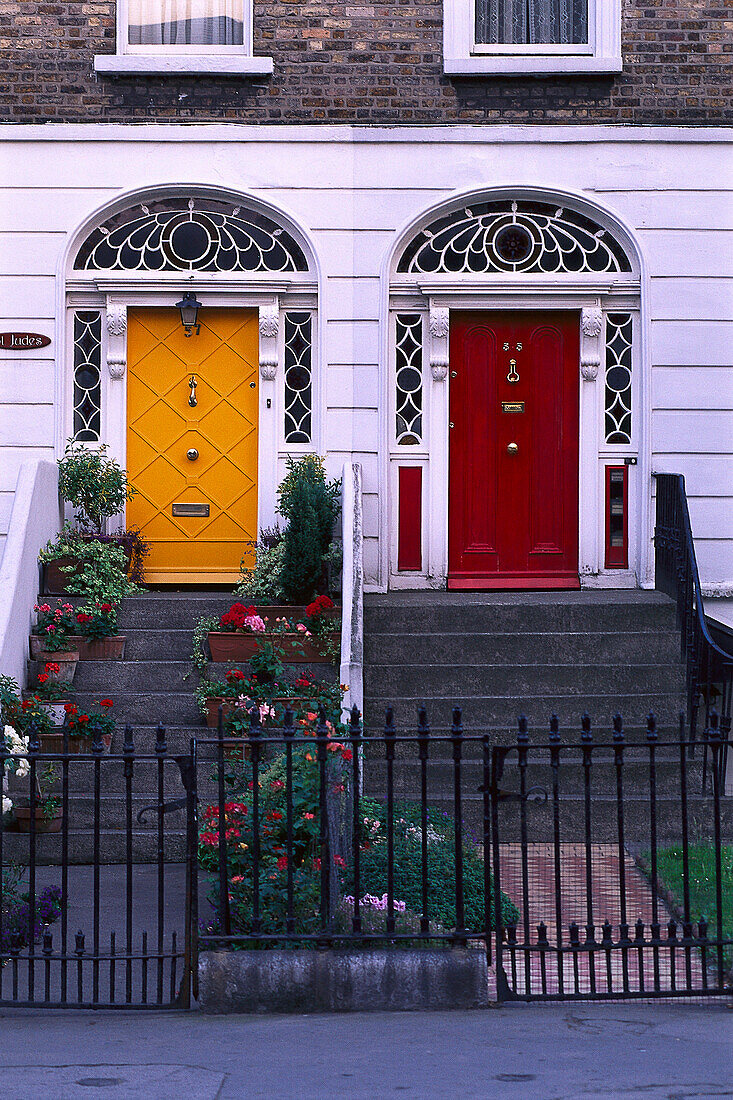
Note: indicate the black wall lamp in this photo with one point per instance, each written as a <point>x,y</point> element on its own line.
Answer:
<point>189,306</point>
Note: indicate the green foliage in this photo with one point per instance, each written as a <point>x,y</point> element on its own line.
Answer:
<point>441,865</point>
<point>311,506</point>
<point>100,574</point>
<point>262,582</point>
<point>702,883</point>
<point>95,485</point>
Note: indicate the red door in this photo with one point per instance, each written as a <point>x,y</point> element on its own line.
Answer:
<point>513,485</point>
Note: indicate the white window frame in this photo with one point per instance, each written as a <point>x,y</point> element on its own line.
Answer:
<point>157,59</point>
<point>463,56</point>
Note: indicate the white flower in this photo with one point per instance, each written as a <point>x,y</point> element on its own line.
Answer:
<point>7,804</point>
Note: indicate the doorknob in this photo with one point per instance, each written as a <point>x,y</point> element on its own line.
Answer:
<point>512,448</point>
<point>192,396</point>
<point>192,454</point>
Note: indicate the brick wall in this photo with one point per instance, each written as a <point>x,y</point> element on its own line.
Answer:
<point>372,63</point>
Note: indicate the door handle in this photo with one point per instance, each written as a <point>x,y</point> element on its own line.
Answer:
<point>192,396</point>
<point>512,448</point>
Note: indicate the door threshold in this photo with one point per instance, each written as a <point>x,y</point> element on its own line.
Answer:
<point>487,584</point>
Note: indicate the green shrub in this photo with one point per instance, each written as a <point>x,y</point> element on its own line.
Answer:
<point>441,866</point>
<point>311,506</point>
<point>95,486</point>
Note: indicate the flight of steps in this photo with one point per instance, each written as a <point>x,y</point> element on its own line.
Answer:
<point>147,687</point>
<point>499,655</point>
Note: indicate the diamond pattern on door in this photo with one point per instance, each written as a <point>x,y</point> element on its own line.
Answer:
<point>162,427</point>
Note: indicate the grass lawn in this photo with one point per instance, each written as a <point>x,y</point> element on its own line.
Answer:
<point>702,885</point>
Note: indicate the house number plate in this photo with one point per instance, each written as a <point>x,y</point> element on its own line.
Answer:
<point>190,509</point>
<point>512,406</point>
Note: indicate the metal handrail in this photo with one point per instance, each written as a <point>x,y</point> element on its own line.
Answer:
<point>708,667</point>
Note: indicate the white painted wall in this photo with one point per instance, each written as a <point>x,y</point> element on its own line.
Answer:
<point>352,189</point>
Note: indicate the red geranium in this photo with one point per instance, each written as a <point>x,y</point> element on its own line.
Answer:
<point>106,703</point>
<point>81,618</point>
<point>70,708</point>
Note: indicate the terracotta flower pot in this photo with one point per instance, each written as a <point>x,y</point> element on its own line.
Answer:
<point>296,647</point>
<point>67,661</point>
<point>44,824</point>
<point>38,653</point>
<point>111,648</point>
<point>226,646</point>
<point>54,742</point>
<point>55,582</point>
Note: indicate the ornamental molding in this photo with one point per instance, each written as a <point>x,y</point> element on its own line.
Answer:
<point>116,339</point>
<point>116,319</point>
<point>439,327</point>
<point>269,325</point>
<point>591,323</point>
<point>269,320</point>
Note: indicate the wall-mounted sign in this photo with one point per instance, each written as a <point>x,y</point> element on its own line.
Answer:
<point>23,341</point>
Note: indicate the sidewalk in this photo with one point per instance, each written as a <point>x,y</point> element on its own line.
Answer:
<point>540,1052</point>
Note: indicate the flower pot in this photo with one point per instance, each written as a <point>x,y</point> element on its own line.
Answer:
<point>38,653</point>
<point>67,661</point>
<point>44,824</point>
<point>296,647</point>
<point>54,742</point>
<point>55,710</point>
<point>233,647</point>
<point>55,581</point>
<point>111,648</point>
<point>212,712</point>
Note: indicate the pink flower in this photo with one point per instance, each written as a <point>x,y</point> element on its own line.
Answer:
<point>301,627</point>
<point>254,622</point>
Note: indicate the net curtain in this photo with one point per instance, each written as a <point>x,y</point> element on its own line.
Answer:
<point>186,22</point>
<point>527,22</point>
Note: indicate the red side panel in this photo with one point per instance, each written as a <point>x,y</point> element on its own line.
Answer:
<point>513,483</point>
<point>409,549</point>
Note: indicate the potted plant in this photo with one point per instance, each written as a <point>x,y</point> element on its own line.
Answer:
<point>54,642</point>
<point>73,552</point>
<point>95,485</point>
<point>47,808</point>
<point>84,725</point>
<point>242,632</point>
<point>51,693</point>
<point>97,625</point>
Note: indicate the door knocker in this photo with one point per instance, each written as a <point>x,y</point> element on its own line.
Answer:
<point>192,396</point>
<point>512,376</point>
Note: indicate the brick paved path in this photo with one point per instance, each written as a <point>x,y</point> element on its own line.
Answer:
<point>676,967</point>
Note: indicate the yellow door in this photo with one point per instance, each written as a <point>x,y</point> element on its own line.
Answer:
<point>194,465</point>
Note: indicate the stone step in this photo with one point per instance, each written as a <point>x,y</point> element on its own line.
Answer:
<point>113,847</point>
<point>517,612</point>
<point>463,682</point>
<point>527,648</point>
<point>480,712</point>
<point>120,677</point>
<point>148,708</point>
<point>158,645</point>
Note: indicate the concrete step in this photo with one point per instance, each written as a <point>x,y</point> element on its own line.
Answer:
<point>157,645</point>
<point>113,847</point>
<point>526,648</point>
<point>516,612</point>
<point>463,682</point>
<point>148,708</point>
<point>118,677</point>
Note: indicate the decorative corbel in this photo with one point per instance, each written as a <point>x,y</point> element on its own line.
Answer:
<point>116,339</point>
<point>591,325</point>
<point>269,328</point>
<point>439,327</point>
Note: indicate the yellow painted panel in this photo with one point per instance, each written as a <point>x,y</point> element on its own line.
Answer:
<point>222,427</point>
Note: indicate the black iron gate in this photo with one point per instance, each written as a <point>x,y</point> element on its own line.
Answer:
<point>612,853</point>
<point>99,894</point>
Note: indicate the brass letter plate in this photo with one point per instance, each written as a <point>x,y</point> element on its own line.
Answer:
<point>190,509</point>
<point>512,406</point>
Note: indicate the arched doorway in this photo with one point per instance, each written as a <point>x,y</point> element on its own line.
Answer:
<point>200,415</point>
<point>516,427</point>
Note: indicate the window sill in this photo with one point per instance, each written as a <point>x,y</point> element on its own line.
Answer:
<point>188,65</point>
<point>516,65</point>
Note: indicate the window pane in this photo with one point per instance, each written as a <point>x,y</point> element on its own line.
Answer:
<point>531,22</point>
<point>298,377</point>
<point>186,22</point>
<point>87,370</point>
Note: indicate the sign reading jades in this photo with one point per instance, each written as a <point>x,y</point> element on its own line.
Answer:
<point>23,341</point>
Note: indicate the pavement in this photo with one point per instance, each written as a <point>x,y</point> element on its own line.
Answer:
<point>518,1052</point>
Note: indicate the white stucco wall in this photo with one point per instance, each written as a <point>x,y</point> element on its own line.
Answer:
<point>352,189</point>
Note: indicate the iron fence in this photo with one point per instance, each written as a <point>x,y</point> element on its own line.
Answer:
<point>708,668</point>
<point>96,895</point>
<point>584,866</point>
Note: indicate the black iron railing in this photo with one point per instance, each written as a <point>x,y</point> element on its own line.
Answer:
<point>709,669</point>
<point>574,862</point>
<point>523,851</point>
